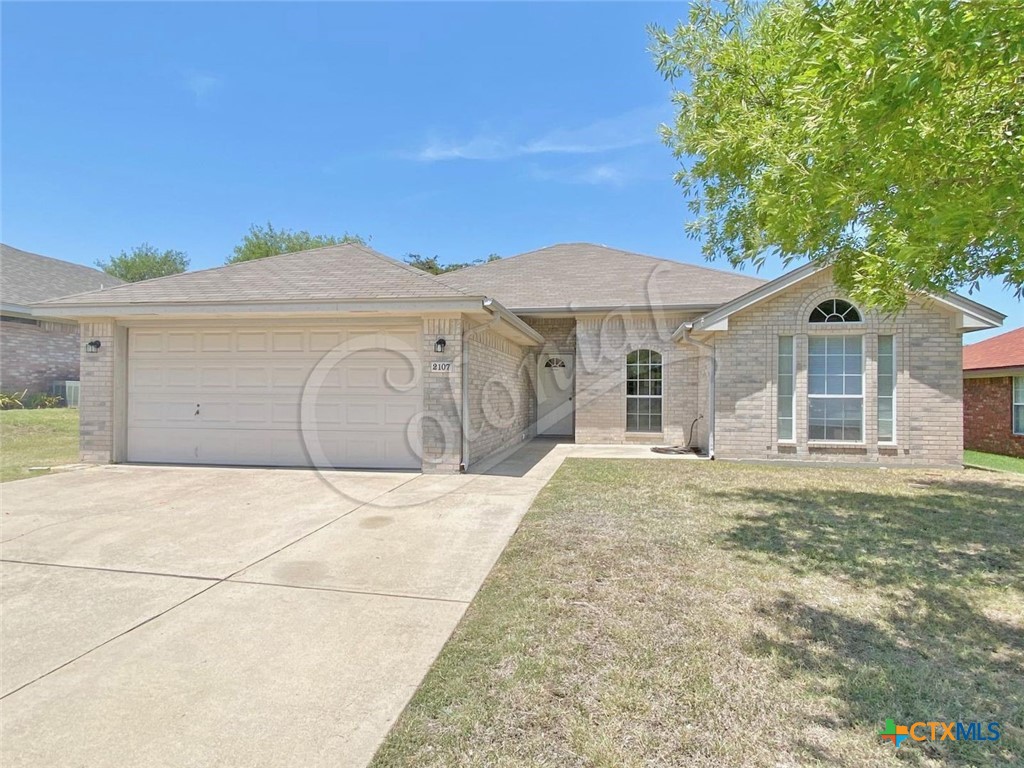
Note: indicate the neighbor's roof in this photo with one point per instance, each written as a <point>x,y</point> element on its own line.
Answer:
<point>581,276</point>
<point>1003,351</point>
<point>26,278</point>
<point>333,273</point>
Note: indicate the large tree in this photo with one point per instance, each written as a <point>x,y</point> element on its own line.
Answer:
<point>144,262</point>
<point>433,265</point>
<point>886,138</point>
<point>261,242</point>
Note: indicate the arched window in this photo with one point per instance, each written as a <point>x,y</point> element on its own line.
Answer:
<point>835,311</point>
<point>555,362</point>
<point>643,391</point>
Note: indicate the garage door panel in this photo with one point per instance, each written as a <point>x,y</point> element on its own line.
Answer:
<point>249,384</point>
<point>216,341</point>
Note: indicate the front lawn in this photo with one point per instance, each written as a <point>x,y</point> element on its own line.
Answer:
<point>36,438</point>
<point>655,613</point>
<point>994,461</point>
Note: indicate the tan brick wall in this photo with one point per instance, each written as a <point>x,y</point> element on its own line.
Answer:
<point>501,393</point>
<point>101,414</point>
<point>441,423</point>
<point>928,389</point>
<point>34,356</point>
<point>559,332</point>
<point>602,343</point>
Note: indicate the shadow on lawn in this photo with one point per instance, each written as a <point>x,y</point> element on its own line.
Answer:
<point>933,654</point>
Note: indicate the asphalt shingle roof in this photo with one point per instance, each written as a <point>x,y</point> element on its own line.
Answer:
<point>1003,351</point>
<point>583,275</point>
<point>334,273</point>
<point>26,278</point>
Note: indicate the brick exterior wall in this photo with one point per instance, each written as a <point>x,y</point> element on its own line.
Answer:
<point>602,343</point>
<point>928,382</point>
<point>441,423</point>
<point>502,402</point>
<point>101,412</point>
<point>34,356</point>
<point>988,421</point>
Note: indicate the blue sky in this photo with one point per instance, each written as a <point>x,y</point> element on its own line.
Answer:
<point>453,129</point>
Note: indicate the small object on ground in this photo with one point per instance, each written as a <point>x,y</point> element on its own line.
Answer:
<point>675,449</point>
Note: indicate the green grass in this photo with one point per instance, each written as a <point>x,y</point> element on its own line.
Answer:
<point>713,614</point>
<point>994,461</point>
<point>36,438</point>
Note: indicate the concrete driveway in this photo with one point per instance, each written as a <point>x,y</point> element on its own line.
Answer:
<point>170,616</point>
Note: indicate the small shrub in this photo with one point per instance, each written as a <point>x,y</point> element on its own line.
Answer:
<point>45,401</point>
<point>11,400</point>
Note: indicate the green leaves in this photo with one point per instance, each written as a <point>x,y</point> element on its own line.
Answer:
<point>261,242</point>
<point>144,262</point>
<point>885,138</point>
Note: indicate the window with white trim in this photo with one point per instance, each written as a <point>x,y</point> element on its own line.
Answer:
<point>786,388</point>
<point>834,311</point>
<point>643,391</point>
<point>886,390</point>
<point>1018,405</point>
<point>835,388</point>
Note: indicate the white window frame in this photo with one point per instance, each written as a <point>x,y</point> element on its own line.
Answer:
<point>895,384</point>
<point>791,374</point>
<point>1017,398</point>
<point>660,397</point>
<point>812,397</point>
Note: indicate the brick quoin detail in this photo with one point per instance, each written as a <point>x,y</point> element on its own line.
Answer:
<point>988,420</point>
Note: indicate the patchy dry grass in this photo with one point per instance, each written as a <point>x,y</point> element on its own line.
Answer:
<point>45,437</point>
<point>712,614</point>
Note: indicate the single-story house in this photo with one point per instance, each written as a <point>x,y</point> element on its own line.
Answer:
<point>994,394</point>
<point>344,357</point>
<point>36,351</point>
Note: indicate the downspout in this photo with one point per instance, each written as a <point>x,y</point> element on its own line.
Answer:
<point>687,328</point>
<point>466,336</point>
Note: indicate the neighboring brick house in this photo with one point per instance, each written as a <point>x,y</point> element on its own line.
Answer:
<point>994,394</point>
<point>343,357</point>
<point>35,351</point>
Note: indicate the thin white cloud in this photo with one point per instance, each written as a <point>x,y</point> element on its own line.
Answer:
<point>601,174</point>
<point>202,84</point>
<point>630,129</point>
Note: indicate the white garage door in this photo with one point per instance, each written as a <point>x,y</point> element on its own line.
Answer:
<point>324,395</point>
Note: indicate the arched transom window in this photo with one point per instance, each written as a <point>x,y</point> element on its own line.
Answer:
<point>555,362</point>
<point>643,391</point>
<point>835,311</point>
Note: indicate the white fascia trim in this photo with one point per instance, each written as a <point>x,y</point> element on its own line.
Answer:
<point>524,332</point>
<point>645,309</point>
<point>197,308</point>
<point>973,316</point>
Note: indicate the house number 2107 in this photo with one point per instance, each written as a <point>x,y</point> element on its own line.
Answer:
<point>440,367</point>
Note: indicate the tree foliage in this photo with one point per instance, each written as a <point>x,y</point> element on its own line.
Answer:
<point>261,242</point>
<point>433,265</point>
<point>144,262</point>
<point>886,138</point>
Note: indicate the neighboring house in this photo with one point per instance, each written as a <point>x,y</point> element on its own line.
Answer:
<point>36,351</point>
<point>994,394</point>
<point>341,356</point>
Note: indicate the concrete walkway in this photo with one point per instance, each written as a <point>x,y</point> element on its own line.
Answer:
<point>169,616</point>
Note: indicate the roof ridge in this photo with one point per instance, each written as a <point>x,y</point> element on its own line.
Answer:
<point>410,268</point>
<point>662,259</point>
<point>230,265</point>
<point>61,261</point>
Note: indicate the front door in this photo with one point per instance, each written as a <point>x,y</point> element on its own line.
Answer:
<point>555,387</point>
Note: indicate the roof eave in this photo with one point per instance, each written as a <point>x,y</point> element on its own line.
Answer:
<point>411,305</point>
